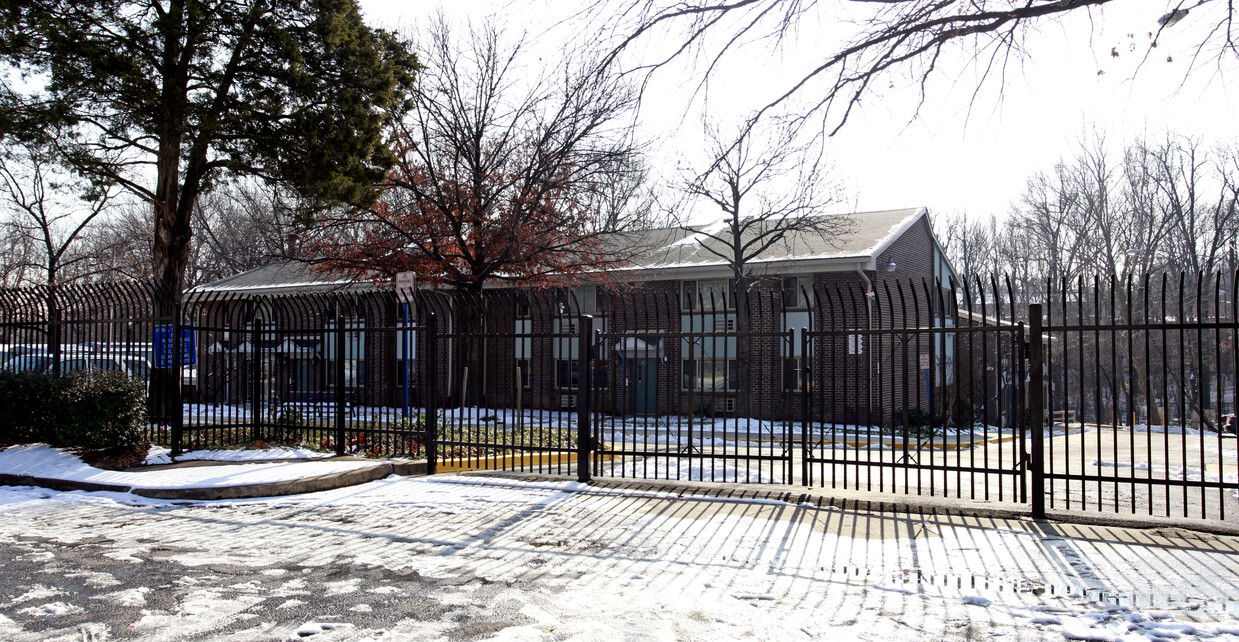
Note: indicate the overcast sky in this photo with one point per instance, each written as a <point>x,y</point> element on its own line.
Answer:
<point>960,153</point>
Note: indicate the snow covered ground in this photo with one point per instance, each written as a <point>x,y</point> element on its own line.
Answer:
<point>41,460</point>
<point>488,558</point>
<point>161,455</point>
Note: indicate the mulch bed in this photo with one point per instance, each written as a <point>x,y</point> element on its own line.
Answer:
<point>114,458</point>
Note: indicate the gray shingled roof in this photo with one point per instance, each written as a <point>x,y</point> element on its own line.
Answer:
<point>868,235</point>
<point>659,251</point>
<point>279,278</point>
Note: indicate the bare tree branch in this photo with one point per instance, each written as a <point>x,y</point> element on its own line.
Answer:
<point>893,34</point>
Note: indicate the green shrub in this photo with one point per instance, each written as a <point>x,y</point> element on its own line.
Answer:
<point>30,405</point>
<point>287,417</point>
<point>102,409</point>
<point>963,414</point>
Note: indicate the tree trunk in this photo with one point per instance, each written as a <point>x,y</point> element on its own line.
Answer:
<point>743,363</point>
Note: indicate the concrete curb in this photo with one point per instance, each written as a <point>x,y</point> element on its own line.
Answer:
<point>272,489</point>
<point>247,491</point>
<point>59,484</point>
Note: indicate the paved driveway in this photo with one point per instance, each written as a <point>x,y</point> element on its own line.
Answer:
<point>485,558</point>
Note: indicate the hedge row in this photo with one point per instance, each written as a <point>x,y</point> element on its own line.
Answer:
<point>94,410</point>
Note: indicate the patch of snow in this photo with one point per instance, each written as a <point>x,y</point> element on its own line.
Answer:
<point>160,455</point>
<point>314,628</point>
<point>41,460</point>
<point>36,592</point>
<point>52,609</point>
<point>128,597</point>
<point>1075,629</point>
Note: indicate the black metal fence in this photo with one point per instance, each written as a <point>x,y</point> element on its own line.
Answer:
<point>1101,396</point>
<point>1138,383</point>
<point>82,327</point>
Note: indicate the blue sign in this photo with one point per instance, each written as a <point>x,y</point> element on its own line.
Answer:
<point>164,355</point>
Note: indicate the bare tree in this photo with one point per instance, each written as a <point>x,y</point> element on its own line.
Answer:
<point>48,213</point>
<point>624,198</point>
<point>17,255</point>
<point>120,245</point>
<point>506,173</point>
<point>241,226</point>
<point>499,170</point>
<point>770,190</point>
<point>244,226</point>
<point>972,243</point>
<point>1170,205</point>
<point>895,36</point>
<point>1195,194</point>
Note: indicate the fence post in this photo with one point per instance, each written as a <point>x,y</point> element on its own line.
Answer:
<point>432,403</point>
<point>255,375</point>
<point>178,401</point>
<point>804,387</point>
<point>584,407</point>
<point>53,328</point>
<point>339,367</point>
<point>1036,410</point>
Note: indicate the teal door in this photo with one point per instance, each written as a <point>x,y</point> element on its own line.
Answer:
<point>646,379</point>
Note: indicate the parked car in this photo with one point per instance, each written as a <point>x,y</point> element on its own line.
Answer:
<point>10,350</point>
<point>75,361</point>
<point>40,361</point>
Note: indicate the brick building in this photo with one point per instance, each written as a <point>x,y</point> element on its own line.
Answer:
<point>666,342</point>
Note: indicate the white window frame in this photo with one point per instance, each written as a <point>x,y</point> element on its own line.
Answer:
<point>730,383</point>
<point>690,292</point>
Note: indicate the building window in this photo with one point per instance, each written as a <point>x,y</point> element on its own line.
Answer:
<point>354,373</point>
<point>523,348</point>
<point>567,373</point>
<point>710,375</point>
<point>601,374</point>
<point>796,374</point>
<point>587,299</point>
<point>581,300</point>
<point>402,371</point>
<point>797,292</point>
<point>522,371</point>
<point>354,350</point>
<point>707,294</point>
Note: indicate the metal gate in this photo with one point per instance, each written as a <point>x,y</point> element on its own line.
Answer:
<point>1136,394</point>
<point>921,394</point>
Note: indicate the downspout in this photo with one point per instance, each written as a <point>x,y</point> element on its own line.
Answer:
<point>869,294</point>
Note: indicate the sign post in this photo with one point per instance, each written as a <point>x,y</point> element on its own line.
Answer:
<point>929,395</point>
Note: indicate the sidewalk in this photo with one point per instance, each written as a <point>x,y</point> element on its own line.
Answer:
<point>296,473</point>
<point>41,465</point>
